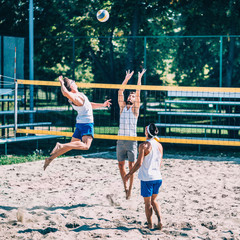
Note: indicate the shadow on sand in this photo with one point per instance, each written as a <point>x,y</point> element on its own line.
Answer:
<point>8,208</point>
<point>42,231</point>
<point>121,228</point>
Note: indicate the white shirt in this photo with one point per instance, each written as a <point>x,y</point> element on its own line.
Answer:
<point>128,123</point>
<point>85,112</point>
<point>150,169</point>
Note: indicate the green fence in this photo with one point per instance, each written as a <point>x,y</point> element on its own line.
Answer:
<point>170,60</point>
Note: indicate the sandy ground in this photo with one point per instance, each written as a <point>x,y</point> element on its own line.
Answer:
<point>83,198</point>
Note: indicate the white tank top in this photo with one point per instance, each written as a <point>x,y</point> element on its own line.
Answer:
<point>85,112</point>
<point>128,123</point>
<point>150,169</point>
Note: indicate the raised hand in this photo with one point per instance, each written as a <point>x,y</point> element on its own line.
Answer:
<point>126,177</point>
<point>128,75</point>
<point>140,74</point>
<point>107,103</point>
<point>60,78</point>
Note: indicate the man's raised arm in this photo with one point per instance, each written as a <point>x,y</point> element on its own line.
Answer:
<point>120,91</point>
<point>138,99</point>
<point>64,90</point>
<point>107,103</point>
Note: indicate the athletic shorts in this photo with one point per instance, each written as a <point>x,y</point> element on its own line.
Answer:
<point>83,129</point>
<point>126,150</point>
<point>148,188</point>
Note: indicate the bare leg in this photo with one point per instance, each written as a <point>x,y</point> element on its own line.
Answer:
<point>148,211</point>
<point>122,169</point>
<point>128,195</point>
<point>74,144</point>
<point>156,209</point>
<point>62,149</point>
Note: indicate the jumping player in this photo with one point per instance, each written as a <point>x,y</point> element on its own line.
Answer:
<point>84,133</point>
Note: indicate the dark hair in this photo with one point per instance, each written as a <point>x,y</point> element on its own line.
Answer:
<point>153,130</point>
<point>67,83</point>
<point>129,93</point>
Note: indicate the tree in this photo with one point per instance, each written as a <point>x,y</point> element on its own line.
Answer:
<point>207,18</point>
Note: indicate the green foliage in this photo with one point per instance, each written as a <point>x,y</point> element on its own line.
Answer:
<point>70,41</point>
<point>12,159</point>
<point>207,18</point>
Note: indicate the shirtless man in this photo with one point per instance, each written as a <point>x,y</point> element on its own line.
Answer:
<point>149,163</point>
<point>129,112</point>
<point>84,132</point>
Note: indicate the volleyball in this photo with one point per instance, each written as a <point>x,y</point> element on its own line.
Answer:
<point>102,15</point>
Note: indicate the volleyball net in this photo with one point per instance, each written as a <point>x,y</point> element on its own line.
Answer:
<point>186,115</point>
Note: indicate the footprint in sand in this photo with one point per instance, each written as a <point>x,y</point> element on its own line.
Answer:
<point>209,225</point>
<point>21,215</point>
<point>109,197</point>
<point>72,225</point>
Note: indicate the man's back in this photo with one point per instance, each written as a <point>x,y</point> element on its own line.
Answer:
<point>150,169</point>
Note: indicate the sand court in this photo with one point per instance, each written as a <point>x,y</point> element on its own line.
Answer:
<point>83,198</point>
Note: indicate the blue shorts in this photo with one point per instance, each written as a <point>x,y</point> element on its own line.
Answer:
<point>148,188</point>
<point>83,129</point>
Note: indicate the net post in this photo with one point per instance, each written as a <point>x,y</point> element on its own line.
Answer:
<point>31,58</point>
<point>15,94</point>
<point>220,62</point>
<point>145,80</point>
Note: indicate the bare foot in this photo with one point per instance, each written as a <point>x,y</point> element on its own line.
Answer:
<point>150,226</point>
<point>47,162</point>
<point>159,226</point>
<point>128,194</point>
<point>55,148</point>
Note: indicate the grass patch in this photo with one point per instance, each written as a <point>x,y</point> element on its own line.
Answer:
<point>23,152</point>
<point>13,159</point>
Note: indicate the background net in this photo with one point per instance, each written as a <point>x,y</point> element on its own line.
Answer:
<point>198,117</point>
<point>182,114</point>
